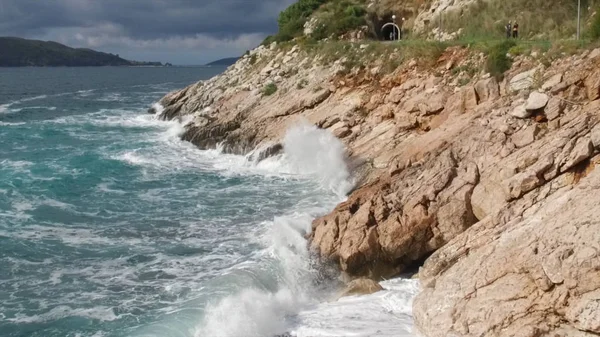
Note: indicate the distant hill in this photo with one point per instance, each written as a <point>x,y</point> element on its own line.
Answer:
<point>18,52</point>
<point>224,62</point>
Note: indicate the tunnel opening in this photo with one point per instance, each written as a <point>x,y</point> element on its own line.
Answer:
<point>390,32</point>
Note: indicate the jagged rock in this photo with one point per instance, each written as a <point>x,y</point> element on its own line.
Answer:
<point>395,95</point>
<point>536,101</point>
<point>342,132</point>
<point>507,207</point>
<point>592,86</point>
<point>595,134</point>
<point>555,108</point>
<point>470,98</point>
<point>521,112</point>
<point>526,136</point>
<point>362,286</point>
<point>497,280</point>
<point>487,89</point>
<point>552,82</point>
<point>582,151</point>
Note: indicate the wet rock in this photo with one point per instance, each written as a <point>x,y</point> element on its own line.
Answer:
<point>362,286</point>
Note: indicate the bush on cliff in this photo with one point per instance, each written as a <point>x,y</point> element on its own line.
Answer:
<point>594,30</point>
<point>269,89</point>
<point>291,21</point>
<point>339,17</point>
<point>498,62</point>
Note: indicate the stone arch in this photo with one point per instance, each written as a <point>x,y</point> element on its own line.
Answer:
<point>390,31</point>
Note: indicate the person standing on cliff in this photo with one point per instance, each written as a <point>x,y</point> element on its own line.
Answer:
<point>515,30</point>
<point>508,29</point>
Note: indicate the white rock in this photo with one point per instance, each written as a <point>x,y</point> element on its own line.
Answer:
<point>536,101</point>
<point>522,81</point>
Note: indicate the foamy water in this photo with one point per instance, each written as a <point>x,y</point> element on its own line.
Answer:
<point>110,225</point>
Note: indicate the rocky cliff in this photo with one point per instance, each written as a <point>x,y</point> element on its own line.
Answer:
<point>489,185</point>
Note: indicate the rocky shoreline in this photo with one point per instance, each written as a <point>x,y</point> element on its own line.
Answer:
<point>490,186</point>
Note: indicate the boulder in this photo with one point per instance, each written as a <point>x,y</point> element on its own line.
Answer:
<point>536,101</point>
<point>487,89</point>
<point>522,81</point>
<point>361,286</point>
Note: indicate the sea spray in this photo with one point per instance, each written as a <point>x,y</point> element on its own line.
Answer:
<point>318,152</point>
<point>259,311</point>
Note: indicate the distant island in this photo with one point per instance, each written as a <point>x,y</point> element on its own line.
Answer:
<point>18,52</point>
<point>224,62</point>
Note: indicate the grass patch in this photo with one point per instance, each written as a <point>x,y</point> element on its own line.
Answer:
<point>269,89</point>
<point>497,62</point>
<point>538,19</point>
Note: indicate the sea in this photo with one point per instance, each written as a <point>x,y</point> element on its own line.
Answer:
<point>110,225</point>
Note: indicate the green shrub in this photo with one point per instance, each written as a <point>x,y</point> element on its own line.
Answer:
<point>291,21</point>
<point>594,30</point>
<point>497,62</point>
<point>269,89</point>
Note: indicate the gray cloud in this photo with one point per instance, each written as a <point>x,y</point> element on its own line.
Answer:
<point>184,31</point>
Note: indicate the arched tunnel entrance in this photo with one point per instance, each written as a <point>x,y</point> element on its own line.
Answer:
<point>390,32</point>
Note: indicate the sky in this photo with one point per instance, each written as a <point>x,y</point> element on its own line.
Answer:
<point>182,32</point>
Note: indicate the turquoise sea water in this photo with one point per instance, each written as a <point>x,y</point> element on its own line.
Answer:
<point>112,226</point>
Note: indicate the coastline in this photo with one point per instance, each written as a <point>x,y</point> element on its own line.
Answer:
<point>446,173</point>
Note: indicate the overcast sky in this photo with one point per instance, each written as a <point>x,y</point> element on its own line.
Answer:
<point>176,31</point>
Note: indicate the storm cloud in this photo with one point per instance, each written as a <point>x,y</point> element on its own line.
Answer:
<point>178,31</point>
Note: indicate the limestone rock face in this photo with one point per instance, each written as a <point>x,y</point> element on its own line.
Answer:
<point>501,206</point>
<point>521,274</point>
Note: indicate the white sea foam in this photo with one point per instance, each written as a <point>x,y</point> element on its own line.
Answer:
<point>99,313</point>
<point>386,313</point>
<point>308,152</point>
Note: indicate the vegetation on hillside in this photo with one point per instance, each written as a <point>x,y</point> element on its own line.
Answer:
<point>333,18</point>
<point>538,19</point>
<point>17,52</point>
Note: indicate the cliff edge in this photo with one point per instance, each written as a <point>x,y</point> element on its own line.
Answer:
<point>490,185</point>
